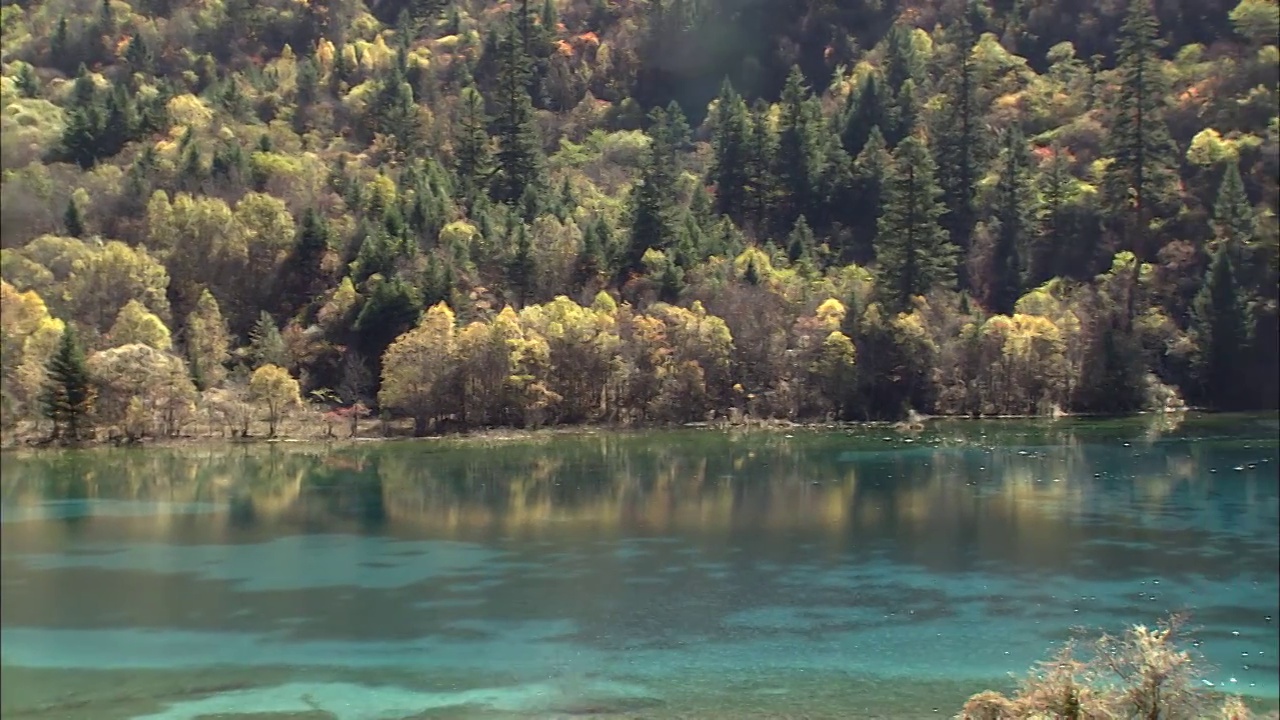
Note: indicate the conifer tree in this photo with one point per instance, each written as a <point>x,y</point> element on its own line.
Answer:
<point>865,111</point>
<point>801,158</point>
<point>870,168</point>
<point>208,342</point>
<point>728,172</point>
<point>266,345</point>
<point>1014,212</point>
<point>519,157</point>
<point>1142,181</point>
<point>653,212</point>
<point>1221,329</point>
<point>1232,216</point>
<point>521,270</point>
<point>471,146</point>
<point>304,268</point>
<point>800,242</point>
<point>761,183</point>
<point>960,141</point>
<point>26,81</point>
<point>68,394</point>
<point>912,249</point>
<point>73,219</point>
<point>1111,379</point>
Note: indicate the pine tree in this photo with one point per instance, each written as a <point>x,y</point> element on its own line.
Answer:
<point>653,212</point>
<point>1220,322</point>
<point>800,242</point>
<point>912,249</point>
<point>728,172</point>
<point>266,345</point>
<point>519,157</point>
<point>761,183</point>
<point>801,158</point>
<point>139,56</point>
<point>904,117</point>
<point>304,268</point>
<point>1111,379</point>
<point>73,219</point>
<point>902,62</point>
<point>393,112</point>
<point>471,146</point>
<point>1014,212</point>
<point>26,81</point>
<point>594,258</point>
<point>870,169</point>
<point>865,112</point>
<point>960,141</point>
<point>68,394</point>
<point>522,269</point>
<point>60,45</point>
<point>1142,182</point>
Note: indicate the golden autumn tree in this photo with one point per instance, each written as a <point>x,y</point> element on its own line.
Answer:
<point>208,342</point>
<point>135,324</point>
<point>417,369</point>
<point>141,390</point>
<point>275,388</point>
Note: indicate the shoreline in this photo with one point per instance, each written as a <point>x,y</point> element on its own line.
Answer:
<point>302,431</point>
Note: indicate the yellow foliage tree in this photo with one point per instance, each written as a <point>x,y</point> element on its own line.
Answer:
<point>208,342</point>
<point>135,324</point>
<point>417,369</point>
<point>275,388</point>
<point>142,390</point>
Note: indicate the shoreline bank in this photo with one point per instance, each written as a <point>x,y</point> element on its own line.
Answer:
<point>304,431</point>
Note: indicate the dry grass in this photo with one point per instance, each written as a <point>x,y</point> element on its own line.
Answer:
<point>1140,675</point>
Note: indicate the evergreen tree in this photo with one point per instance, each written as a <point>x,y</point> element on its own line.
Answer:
<point>522,269</point>
<point>26,81</point>
<point>1220,322</point>
<point>761,183</point>
<point>1111,379</point>
<point>1142,182</point>
<point>60,45</point>
<point>960,141</point>
<point>904,116</point>
<point>902,61</point>
<point>304,268</point>
<point>671,283</point>
<point>800,242</point>
<point>728,171</point>
<point>519,156</point>
<point>1232,215</point>
<point>68,394</point>
<point>392,309</point>
<point>471,146</point>
<point>393,111</point>
<point>73,219</point>
<point>653,212</point>
<point>1234,224</point>
<point>594,258</point>
<point>801,161</point>
<point>864,113</point>
<point>873,164</point>
<point>911,247</point>
<point>266,345</point>
<point>1014,212</point>
<point>139,56</point>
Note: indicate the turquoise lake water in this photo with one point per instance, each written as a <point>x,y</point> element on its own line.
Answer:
<point>843,573</point>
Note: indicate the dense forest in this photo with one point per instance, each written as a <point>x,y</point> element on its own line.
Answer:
<point>479,214</point>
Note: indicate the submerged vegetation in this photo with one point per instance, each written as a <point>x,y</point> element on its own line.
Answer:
<point>466,214</point>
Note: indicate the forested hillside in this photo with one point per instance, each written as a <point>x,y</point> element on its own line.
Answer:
<point>564,211</point>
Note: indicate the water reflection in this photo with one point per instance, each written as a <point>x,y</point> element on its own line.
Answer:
<point>682,557</point>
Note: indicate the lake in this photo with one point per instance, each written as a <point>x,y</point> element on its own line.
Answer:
<point>840,573</point>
